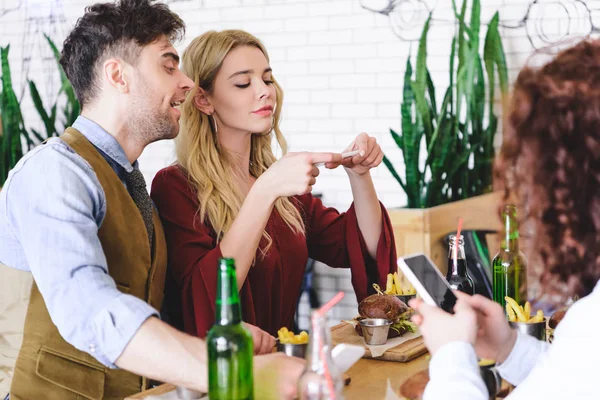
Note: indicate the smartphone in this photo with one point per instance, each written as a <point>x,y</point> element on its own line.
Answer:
<point>428,281</point>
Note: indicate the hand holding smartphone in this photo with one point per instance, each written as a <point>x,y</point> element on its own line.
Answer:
<point>428,281</point>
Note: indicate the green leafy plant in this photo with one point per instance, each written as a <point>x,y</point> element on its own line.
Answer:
<point>71,105</point>
<point>459,136</point>
<point>13,132</point>
<point>13,127</point>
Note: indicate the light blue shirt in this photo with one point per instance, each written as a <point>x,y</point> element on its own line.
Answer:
<point>51,208</point>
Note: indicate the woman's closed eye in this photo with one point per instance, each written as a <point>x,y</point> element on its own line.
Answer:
<point>244,86</point>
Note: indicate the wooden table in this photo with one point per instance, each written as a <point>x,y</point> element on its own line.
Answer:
<point>162,389</point>
<point>368,378</point>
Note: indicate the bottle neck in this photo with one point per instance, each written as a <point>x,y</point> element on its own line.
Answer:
<point>457,264</point>
<point>319,346</point>
<point>228,308</point>
<point>510,241</point>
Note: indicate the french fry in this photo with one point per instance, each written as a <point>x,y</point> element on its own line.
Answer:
<point>404,287</point>
<point>389,287</point>
<point>282,334</point>
<point>538,317</point>
<point>287,337</point>
<point>527,311</point>
<point>403,282</point>
<point>517,313</point>
<point>397,283</point>
<point>517,308</point>
<point>511,314</point>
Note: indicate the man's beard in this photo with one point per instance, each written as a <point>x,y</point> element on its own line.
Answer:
<point>147,122</point>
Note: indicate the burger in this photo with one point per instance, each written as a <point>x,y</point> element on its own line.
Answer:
<point>387,307</point>
<point>557,317</point>
<point>554,320</point>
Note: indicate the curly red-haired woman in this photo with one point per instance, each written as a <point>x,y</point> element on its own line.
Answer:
<point>550,161</point>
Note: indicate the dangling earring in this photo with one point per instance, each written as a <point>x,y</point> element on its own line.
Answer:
<point>215,123</point>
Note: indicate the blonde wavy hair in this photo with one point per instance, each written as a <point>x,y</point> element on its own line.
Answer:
<point>209,167</point>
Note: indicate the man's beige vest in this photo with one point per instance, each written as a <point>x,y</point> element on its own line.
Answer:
<point>49,368</point>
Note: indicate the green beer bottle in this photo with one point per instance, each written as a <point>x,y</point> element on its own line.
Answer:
<point>510,265</point>
<point>229,344</point>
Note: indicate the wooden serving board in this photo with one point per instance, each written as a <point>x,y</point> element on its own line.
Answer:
<point>345,333</point>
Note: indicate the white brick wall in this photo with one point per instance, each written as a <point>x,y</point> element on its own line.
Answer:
<point>341,68</point>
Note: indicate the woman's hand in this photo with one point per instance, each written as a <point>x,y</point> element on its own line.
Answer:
<point>495,338</point>
<point>440,328</point>
<point>370,155</point>
<point>263,342</point>
<point>294,174</point>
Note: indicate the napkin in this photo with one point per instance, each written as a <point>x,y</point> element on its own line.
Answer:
<point>377,351</point>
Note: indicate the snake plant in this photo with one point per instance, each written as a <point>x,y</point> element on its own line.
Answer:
<point>13,133</point>
<point>459,135</point>
<point>71,105</point>
<point>13,127</point>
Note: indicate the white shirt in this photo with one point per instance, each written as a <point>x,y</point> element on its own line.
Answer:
<point>567,369</point>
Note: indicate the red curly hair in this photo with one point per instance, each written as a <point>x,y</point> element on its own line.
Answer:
<point>550,159</point>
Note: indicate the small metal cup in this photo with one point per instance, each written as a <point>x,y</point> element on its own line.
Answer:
<point>535,329</point>
<point>293,350</point>
<point>375,330</point>
<point>187,394</point>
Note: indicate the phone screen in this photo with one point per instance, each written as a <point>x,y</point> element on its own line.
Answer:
<point>432,281</point>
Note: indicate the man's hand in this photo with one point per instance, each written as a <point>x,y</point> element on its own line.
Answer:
<point>439,327</point>
<point>276,376</point>
<point>263,342</point>
<point>495,339</point>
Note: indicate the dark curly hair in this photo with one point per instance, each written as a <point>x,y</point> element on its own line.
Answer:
<point>550,161</point>
<point>118,29</point>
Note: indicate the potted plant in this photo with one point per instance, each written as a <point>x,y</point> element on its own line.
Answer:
<point>458,137</point>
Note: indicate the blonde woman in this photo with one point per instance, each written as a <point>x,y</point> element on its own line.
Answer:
<point>228,196</point>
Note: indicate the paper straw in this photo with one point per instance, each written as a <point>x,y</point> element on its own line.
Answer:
<point>319,314</point>
<point>351,153</point>
<point>458,230</point>
<point>323,310</point>
<point>328,377</point>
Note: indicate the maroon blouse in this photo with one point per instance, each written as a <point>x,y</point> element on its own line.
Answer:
<point>272,288</point>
